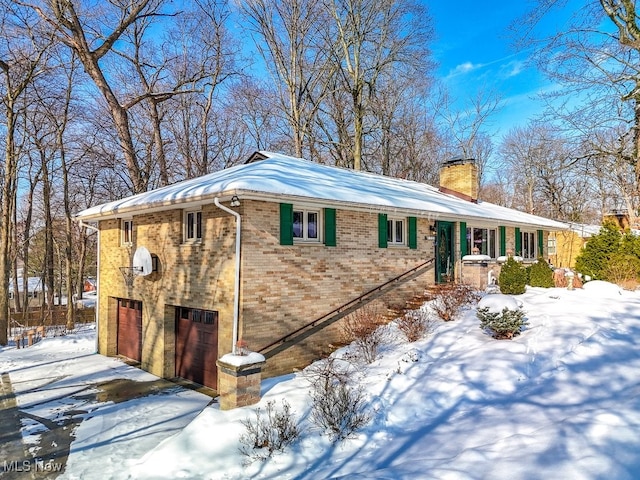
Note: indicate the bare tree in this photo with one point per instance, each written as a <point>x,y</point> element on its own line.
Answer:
<point>468,128</point>
<point>373,38</point>
<point>595,54</point>
<point>86,31</point>
<point>288,33</point>
<point>22,55</point>
<point>544,171</point>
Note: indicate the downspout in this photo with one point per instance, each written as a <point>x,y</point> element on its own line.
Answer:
<point>236,294</point>
<point>97,230</point>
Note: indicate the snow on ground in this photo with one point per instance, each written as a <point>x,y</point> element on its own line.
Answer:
<point>561,400</point>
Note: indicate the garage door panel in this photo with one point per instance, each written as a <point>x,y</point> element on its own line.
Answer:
<point>130,329</point>
<point>197,345</point>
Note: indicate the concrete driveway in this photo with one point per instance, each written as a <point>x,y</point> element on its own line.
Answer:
<point>65,410</point>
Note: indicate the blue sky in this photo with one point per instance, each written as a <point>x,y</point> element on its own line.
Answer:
<point>474,51</point>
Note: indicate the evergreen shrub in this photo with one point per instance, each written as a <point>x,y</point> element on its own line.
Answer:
<point>513,277</point>
<point>502,325</point>
<point>594,258</point>
<point>540,274</point>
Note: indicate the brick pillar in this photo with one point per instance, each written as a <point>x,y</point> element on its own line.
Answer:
<point>239,378</point>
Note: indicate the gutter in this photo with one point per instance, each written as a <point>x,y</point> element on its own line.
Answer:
<point>97,230</point>
<point>236,294</point>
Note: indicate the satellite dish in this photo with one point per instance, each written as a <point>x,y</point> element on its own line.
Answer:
<point>142,263</point>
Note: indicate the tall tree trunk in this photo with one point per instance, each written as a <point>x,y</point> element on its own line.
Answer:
<point>8,205</point>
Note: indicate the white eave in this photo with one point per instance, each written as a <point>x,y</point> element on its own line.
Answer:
<point>279,178</point>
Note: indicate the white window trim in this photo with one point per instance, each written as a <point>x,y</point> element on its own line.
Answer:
<point>552,246</point>
<point>123,223</point>
<point>185,225</point>
<point>305,225</point>
<point>405,223</point>
<point>496,238</point>
<point>535,245</point>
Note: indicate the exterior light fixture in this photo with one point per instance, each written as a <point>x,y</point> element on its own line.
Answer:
<point>235,201</point>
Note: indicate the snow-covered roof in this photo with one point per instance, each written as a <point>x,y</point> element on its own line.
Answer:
<point>283,178</point>
<point>588,231</point>
<point>584,230</point>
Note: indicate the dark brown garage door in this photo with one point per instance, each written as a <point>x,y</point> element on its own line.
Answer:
<point>197,345</point>
<point>130,328</point>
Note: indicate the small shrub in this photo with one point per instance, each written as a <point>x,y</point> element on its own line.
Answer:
<point>502,325</point>
<point>270,433</point>
<point>513,278</point>
<point>362,328</point>
<point>541,274</point>
<point>337,407</point>
<point>448,299</point>
<point>416,324</point>
<point>622,269</point>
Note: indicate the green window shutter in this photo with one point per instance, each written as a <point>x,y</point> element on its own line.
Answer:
<point>330,227</point>
<point>503,241</point>
<point>540,243</point>
<point>382,230</point>
<point>518,242</point>
<point>286,224</point>
<point>463,239</point>
<point>413,233</point>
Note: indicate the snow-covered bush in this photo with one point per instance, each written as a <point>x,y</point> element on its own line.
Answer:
<point>338,407</point>
<point>448,299</point>
<point>501,315</point>
<point>513,277</point>
<point>416,324</point>
<point>269,433</point>
<point>362,329</point>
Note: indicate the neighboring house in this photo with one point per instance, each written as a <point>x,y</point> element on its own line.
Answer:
<point>89,285</point>
<point>565,246</point>
<point>35,291</point>
<point>313,238</point>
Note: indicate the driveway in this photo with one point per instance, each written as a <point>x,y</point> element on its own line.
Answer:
<point>66,412</point>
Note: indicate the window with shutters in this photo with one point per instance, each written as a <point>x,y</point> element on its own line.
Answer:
<point>396,234</point>
<point>482,239</point>
<point>306,225</point>
<point>397,231</point>
<point>528,245</point>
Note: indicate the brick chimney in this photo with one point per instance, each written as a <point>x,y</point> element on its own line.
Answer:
<point>459,177</point>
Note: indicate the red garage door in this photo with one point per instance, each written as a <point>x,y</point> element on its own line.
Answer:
<point>197,345</point>
<point>130,328</point>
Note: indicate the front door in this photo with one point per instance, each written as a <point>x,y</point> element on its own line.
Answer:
<point>444,252</point>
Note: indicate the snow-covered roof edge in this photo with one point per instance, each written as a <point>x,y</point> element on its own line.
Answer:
<point>283,178</point>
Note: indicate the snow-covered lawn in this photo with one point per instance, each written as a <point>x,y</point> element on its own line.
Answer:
<point>559,401</point>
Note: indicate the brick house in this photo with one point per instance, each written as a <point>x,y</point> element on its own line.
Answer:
<point>312,239</point>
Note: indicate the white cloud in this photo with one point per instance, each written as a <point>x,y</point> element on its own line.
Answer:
<point>464,68</point>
